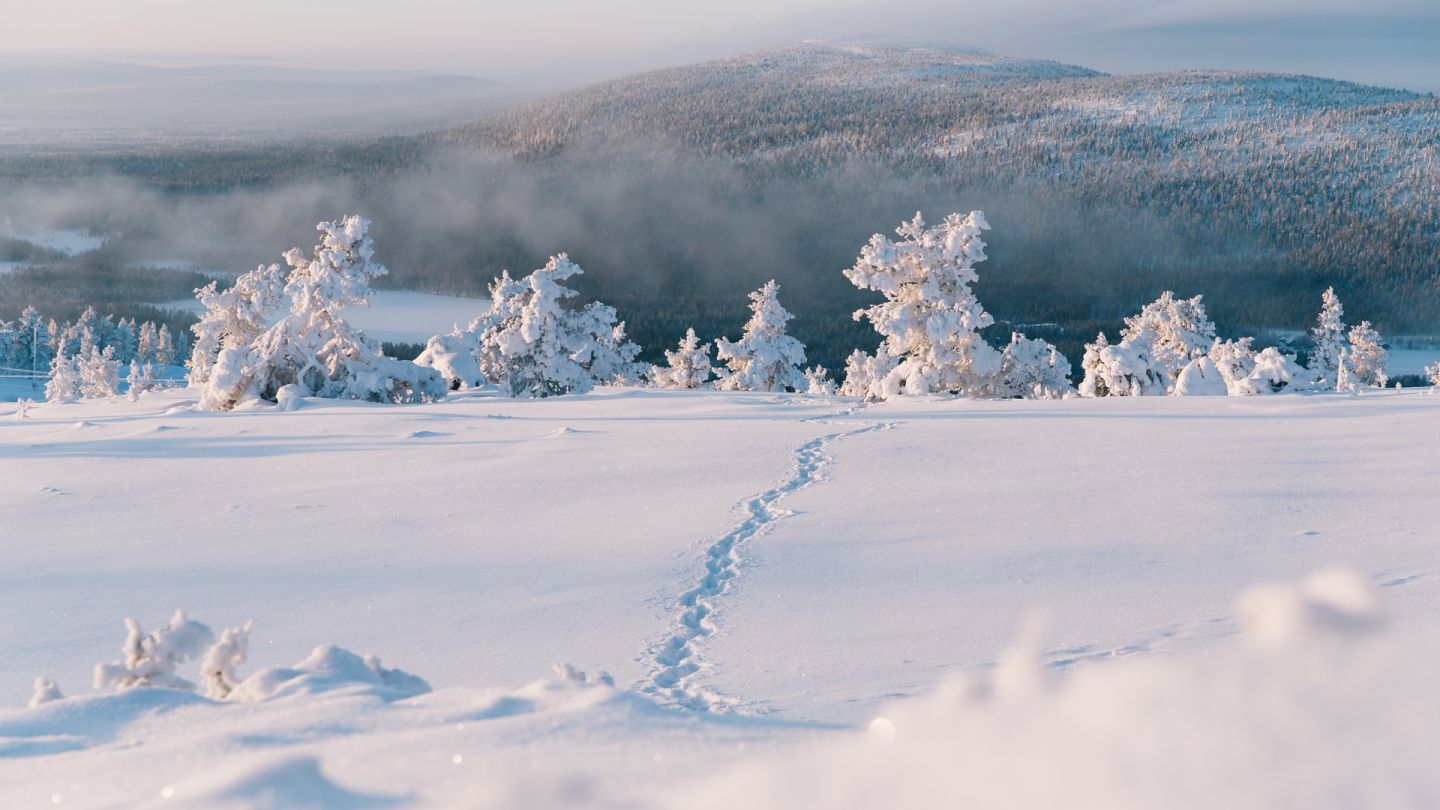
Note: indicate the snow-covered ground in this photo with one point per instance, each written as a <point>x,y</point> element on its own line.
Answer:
<point>802,601</point>
<point>398,316</point>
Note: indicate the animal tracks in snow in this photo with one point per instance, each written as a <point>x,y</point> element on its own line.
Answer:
<point>675,661</point>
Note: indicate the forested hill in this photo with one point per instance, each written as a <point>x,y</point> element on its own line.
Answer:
<point>1255,189</point>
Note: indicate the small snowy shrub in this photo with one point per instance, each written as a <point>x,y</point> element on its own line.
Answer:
<point>1275,372</point>
<point>151,658</point>
<point>1121,370</point>
<point>764,358</point>
<point>142,378</point>
<point>1200,378</point>
<point>687,367</point>
<point>1234,359</point>
<point>1034,369</point>
<point>930,319</point>
<point>818,382</point>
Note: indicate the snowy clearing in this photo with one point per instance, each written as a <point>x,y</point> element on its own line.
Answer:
<point>801,601</point>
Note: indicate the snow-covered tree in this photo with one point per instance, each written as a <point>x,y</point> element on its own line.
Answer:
<point>764,358</point>
<point>1120,370</point>
<point>66,382</point>
<point>141,378</point>
<point>1433,373</point>
<point>1200,378</point>
<point>233,319</point>
<point>1173,332</point>
<point>1366,356</point>
<point>930,319</point>
<point>530,343</point>
<point>1275,372</point>
<point>150,659</point>
<point>100,374</point>
<point>865,373</point>
<point>31,349</point>
<point>1034,369</point>
<point>686,367</point>
<point>165,347</point>
<point>313,346</point>
<point>1329,336</point>
<point>1234,359</point>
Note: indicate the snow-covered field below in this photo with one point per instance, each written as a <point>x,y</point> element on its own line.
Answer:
<point>801,602</point>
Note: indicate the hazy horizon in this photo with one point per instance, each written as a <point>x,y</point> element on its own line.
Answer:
<point>558,43</point>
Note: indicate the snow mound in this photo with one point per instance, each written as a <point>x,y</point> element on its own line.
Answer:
<point>327,668</point>
<point>1329,720</point>
<point>287,782</point>
<point>289,397</point>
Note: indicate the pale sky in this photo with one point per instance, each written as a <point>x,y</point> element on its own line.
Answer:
<point>1394,42</point>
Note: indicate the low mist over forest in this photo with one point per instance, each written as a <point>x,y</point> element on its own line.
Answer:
<point>681,190</point>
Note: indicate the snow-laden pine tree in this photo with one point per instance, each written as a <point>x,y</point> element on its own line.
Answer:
<point>234,318</point>
<point>1234,359</point>
<point>764,358</point>
<point>1120,370</point>
<point>142,377</point>
<point>32,342</point>
<point>66,382</point>
<point>1034,369</point>
<point>687,367</point>
<point>313,346</point>
<point>471,357</point>
<point>1329,337</point>
<point>1366,356</point>
<point>1433,373</point>
<point>1173,331</point>
<point>930,319</point>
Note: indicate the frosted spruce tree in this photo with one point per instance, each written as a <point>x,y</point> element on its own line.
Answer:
<point>313,347</point>
<point>1366,356</point>
<point>687,367</point>
<point>471,357</point>
<point>930,319</point>
<point>100,374</point>
<point>1034,369</point>
<point>1432,373</point>
<point>764,358</point>
<point>1329,336</point>
<point>31,349</point>
<point>65,383</point>
<point>1171,331</point>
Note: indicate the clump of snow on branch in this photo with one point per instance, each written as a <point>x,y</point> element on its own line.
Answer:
<point>531,344</point>
<point>46,691</point>
<point>765,358</point>
<point>688,366</point>
<point>930,319</point>
<point>313,346</point>
<point>217,668</point>
<point>150,659</point>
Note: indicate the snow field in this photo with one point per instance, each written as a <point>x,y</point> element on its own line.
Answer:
<point>844,580</point>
